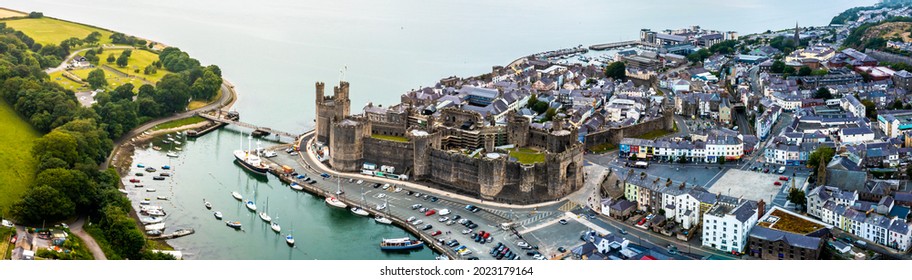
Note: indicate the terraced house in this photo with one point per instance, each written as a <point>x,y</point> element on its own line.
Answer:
<point>875,222</point>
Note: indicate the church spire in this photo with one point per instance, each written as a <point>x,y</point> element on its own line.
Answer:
<point>797,38</point>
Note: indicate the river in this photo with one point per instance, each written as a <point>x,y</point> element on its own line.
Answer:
<point>274,51</point>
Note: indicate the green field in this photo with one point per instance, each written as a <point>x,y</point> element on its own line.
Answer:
<point>527,156</point>
<point>58,78</point>
<point>114,80</point>
<point>390,138</point>
<point>52,31</point>
<point>179,123</point>
<point>17,169</point>
<point>139,59</point>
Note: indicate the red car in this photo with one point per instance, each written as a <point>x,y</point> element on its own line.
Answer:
<point>643,221</point>
<point>777,183</point>
<point>436,233</point>
<point>430,212</point>
<point>134,180</point>
<point>486,235</point>
<point>783,178</point>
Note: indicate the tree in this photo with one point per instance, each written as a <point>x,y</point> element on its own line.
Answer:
<point>616,70</point>
<point>111,58</point>
<point>550,113</point>
<point>797,197</point>
<point>897,105</point>
<point>788,71</point>
<point>43,204</point>
<point>92,38</point>
<point>123,59</point>
<point>540,107</point>
<point>870,109</point>
<point>72,183</point>
<point>97,79</point>
<point>57,144</point>
<point>532,101</point>
<point>821,155</point>
<point>823,93</point>
<point>777,67</point>
<point>804,71</point>
<point>699,56</point>
<point>172,93</point>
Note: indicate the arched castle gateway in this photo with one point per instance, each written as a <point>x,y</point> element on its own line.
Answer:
<point>454,148</point>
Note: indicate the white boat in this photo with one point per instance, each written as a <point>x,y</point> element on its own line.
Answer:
<point>251,205</point>
<point>360,212</point>
<point>295,186</point>
<point>144,208</point>
<point>145,202</point>
<point>218,215</point>
<point>123,191</point>
<point>333,201</point>
<point>383,220</point>
<point>150,190</point>
<point>208,205</point>
<point>155,213</point>
<point>171,154</point>
<point>178,149</point>
<point>289,240</point>
<point>162,198</point>
<point>251,161</point>
<point>158,226</point>
<point>275,227</point>
<point>151,220</point>
<point>177,142</point>
<point>263,216</point>
<point>237,196</point>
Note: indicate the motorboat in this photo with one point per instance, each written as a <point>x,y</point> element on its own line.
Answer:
<point>218,215</point>
<point>158,226</point>
<point>295,186</point>
<point>383,220</point>
<point>251,205</point>
<point>250,161</point>
<point>404,243</point>
<point>151,220</point>
<point>150,169</point>
<point>333,201</point>
<point>123,191</point>
<point>233,224</point>
<point>166,167</point>
<point>158,178</point>
<point>360,212</point>
<point>237,196</point>
<point>153,232</point>
<point>157,148</point>
<point>208,205</point>
<point>145,202</point>
<point>162,198</point>
<point>138,186</point>
<point>171,154</point>
<point>150,190</point>
<point>155,213</point>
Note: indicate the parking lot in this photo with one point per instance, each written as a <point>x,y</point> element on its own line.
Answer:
<point>752,185</point>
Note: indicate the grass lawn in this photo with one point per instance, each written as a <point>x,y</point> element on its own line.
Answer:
<point>654,134</point>
<point>196,104</point>
<point>139,59</point>
<point>52,31</point>
<point>67,83</point>
<point>602,148</point>
<point>179,123</point>
<point>527,156</point>
<point>17,169</point>
<point>114,80</point>
<point>4,13</point>
<point>390,138</point>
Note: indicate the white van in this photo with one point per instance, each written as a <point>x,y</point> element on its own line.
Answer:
<point>781,170</point>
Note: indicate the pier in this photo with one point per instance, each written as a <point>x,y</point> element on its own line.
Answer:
<point>601,47</point>
<point>222,118</point>
<point>176,234</point>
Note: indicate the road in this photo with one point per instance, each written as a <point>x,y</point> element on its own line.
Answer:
<point>63,64</point>
<point>76,228</point>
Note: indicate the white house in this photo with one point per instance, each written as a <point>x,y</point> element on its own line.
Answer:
<point>726,226</point>
<point>854,135</point>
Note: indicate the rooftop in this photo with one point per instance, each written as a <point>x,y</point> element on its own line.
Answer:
<point>781,220</point>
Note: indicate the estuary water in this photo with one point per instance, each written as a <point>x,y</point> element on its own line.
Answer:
<point>274,51</point>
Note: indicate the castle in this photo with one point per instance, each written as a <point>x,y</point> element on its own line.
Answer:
<point>453,148</point>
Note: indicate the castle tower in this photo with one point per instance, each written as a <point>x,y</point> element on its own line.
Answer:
<point>518,130</point>
<point>330,109</point>
<point>346,145</point>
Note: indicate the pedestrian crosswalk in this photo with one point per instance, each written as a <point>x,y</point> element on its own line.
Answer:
<point>537,217</point>
<point>569,206</point>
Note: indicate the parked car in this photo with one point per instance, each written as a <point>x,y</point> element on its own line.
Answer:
<point>473,226</point>
<point>443,219</point>
<point>777,183</point>
<point>562,221</point>
<point>360,182</point>
<point>436,233</point>
<point>450,222</point>
<point>444,212</point>
<point>561,249</point>
<point>434,199</point>
<point>430,212</point>
<point>416,206</point>
<point>376,185</point>
<point>622,231</point>
<point>783,178</point>
<point>423,209</point>
<point>410,219</point>
<point>417,222</point>
<point>427,227</point>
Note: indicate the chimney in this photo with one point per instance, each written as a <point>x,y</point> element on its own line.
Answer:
<point>761,209</point>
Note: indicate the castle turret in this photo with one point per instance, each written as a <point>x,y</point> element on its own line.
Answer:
<point>330,109</point>
<point>346,145</point>
<point>518,130</point>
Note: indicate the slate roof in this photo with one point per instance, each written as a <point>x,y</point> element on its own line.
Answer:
<point>793,239</point>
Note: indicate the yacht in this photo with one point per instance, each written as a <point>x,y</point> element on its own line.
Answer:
<point>404,243</point>
<point>383,220</point>
<point>360,212</point>
<point>237,196</point>
<point>275,227</point>
<point>250,161</point>
<point>234,224</point>
<point>333,201</point>
<point>263,216</point>
<point>290,240</point>
<point>171,154</point>
<point>218,215</point>
<point>251,205</point>
<point>208,205</point>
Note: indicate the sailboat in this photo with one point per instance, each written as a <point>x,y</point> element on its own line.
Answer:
<point>382,219</point>
<point>275,226</point>
<point>251,205</point>
<point>265,217</point>
<point>237,196</point>
<point>335,202</point>
<point>357,208</point>
<point>289,239</point>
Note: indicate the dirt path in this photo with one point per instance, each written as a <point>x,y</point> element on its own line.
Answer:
<point>76,228</point>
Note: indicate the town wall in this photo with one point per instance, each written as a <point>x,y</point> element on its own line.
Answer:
<point>614,135</point>
<point>397,154</point>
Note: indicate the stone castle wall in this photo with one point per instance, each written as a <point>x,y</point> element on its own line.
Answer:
<point>397,154</point>
<point>614,135</point>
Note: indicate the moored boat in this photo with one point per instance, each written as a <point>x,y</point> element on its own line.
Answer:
<point>162,198</point>
<point>289,240</point>
<point>333,201</point>
<point>251,205</point>
<point>153,232</point>
<point>234,224</point>
<point>171,154</point>
<point>275,227</point>
<point>265,217</point>
<point>150,190</point>
<point>151,220</point>
<point>237,196</point>
<point>158,226</point>
<point>404,243</point>
<point>218,215</point>
<point>295,186</point>
<point>383,220</point>
<point>360,212</point>
<point>208,205</point>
